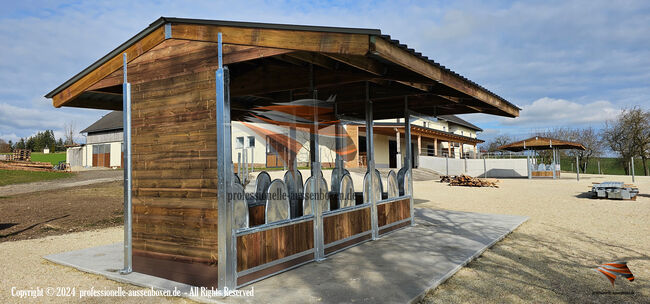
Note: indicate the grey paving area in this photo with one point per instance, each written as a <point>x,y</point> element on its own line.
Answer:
<point>398,268</point>
<point>80,179</point>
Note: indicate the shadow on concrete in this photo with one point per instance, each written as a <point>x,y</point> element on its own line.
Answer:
<point>397,268</point>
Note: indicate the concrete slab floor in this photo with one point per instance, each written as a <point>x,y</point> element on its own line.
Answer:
<point>398,268</point>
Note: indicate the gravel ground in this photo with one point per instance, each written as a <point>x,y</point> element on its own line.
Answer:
<point>549,259</point>
<point>81,179</point>
<point>26,269</point>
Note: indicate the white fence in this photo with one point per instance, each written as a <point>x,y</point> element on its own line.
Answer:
<point>515,167</point>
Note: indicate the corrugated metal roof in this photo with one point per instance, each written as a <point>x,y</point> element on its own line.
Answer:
<point>162,20</point>
<point>110,121</point>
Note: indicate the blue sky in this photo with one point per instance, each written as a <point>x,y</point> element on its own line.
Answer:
<point>565,63</point>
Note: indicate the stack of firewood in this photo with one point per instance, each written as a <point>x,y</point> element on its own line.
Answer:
<point>25,166</point>
<point>468,181</point>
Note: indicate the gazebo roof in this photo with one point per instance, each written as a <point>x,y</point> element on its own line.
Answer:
<point>541,143</point>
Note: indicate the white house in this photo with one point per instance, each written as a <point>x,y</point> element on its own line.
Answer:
<point>446,135</point>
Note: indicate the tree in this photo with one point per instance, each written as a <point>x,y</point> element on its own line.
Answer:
<point>4,146</point>
<point>69,133</point>
<point>496,142</point>
<point>629,136</point>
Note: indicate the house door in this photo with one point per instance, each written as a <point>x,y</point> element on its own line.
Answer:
<point>392,154</point>
<point>102,155</point>
<point>273,159</point>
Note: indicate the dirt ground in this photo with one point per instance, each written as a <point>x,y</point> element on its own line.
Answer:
<point>44,213</point>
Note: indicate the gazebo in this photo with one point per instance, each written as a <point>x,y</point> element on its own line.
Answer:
<point>542,143</point>
<point>180,83</point>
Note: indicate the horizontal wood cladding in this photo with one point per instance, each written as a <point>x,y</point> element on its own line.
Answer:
<point>256,215</point>
<point>175,175</point>
<point>262,247</point>
<point>344,225</point>
<point>176,57</point>
<point>339,43</point>
<point>393,212</point>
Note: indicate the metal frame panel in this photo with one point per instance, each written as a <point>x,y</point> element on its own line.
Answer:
<point>370,156</point>
<point>227,255</point>
<point>408,156</point>
<point>128,182</point>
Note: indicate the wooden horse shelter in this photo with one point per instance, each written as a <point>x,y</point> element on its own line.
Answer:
<point>180,83</point>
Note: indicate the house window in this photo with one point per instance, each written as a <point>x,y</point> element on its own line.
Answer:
<point>431,150</point>
<point>251,141</point>
<point>240,142</point>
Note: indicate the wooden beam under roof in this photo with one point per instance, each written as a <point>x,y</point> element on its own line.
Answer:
<point>312,41</point>
<point>110,66</point>
<point>393,53</point>
<point>175,57</point>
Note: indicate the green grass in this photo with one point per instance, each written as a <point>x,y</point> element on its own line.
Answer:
<point>9,177</point>
<point>612,166</point>
<point>53,158</point>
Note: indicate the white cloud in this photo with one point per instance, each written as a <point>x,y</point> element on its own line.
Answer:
<point>550,113</point>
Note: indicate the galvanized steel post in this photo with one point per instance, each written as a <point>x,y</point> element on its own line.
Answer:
<point>227,258</point>
<point>553,164</point>
<point>370,156</point>
<point>319,238</point>
<point>528,164</point>
<point>632,167</point>
<point>577,168</point>
<point>409,155</point>
<point>128,183</point>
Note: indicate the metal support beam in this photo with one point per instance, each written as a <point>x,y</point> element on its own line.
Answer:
<point>632,167</point>
<point>408,154</point>
<point>227,252</point>
<point>553,164</point>
<point>128,182</point>
<point>530,173</point>
<point>319,238</point>
<point>577,168</point>
<point>370,156</point>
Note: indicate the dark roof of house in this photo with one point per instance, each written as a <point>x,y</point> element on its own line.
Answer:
<point>110,121</point>
<point>459,121</point>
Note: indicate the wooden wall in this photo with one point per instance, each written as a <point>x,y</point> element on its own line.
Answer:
<point>266,246</point>
<point>392,212</point>
<point>344,225</point>
<point>175,178</point>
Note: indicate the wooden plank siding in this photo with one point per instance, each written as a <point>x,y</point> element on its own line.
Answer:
<point>175,177</point>
<point>347,224</point>
<point>262,247</point>
<point>392,212</point>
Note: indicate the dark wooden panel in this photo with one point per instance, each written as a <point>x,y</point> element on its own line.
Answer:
<point>393,212</point>
<point>395,227</point>
<point>266,246</point>
<point>348,243</point>
<point>274,269</point>
<point>256,215</point>
<point>344,225</point>
<point>193,273</point>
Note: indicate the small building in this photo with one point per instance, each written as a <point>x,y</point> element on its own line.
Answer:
<point>104,144</point>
